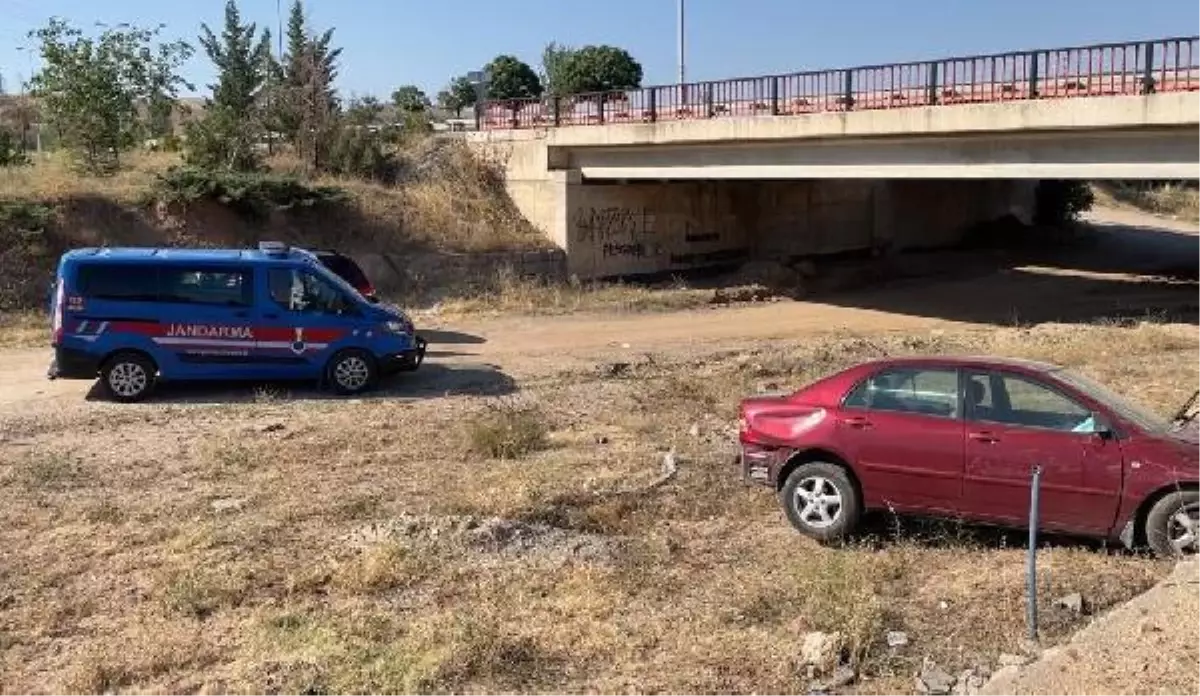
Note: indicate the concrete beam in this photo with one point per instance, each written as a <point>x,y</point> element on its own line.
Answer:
<point>1147,153</point>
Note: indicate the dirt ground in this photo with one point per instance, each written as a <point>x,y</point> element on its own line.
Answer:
<point>267,538</point>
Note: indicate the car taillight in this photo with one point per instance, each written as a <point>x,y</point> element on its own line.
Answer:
<point>56,320</point>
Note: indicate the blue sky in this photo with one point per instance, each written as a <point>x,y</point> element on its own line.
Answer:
<point>392,42</point>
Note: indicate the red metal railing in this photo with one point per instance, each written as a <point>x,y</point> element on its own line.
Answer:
<point>1142,67</point>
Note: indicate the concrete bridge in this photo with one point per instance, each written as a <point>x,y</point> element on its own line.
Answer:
<point>884,157</point>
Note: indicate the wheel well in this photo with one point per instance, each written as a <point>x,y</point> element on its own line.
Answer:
<point>1143,510</point>
<point>817,455</point>
<point>136,351</point>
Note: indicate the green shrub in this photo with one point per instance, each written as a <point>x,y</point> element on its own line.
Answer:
<point>11,153</point>
<point>252,195</point>
<point>359,153</point>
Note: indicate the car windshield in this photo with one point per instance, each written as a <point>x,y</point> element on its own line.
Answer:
<point>1138,415</point>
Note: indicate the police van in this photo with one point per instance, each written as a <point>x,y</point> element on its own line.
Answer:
<point>134,317</point>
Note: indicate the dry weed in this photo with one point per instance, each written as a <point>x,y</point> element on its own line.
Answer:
<point>507,430</point>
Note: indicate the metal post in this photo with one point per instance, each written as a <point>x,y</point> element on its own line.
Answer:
<point>1031,617</point>
<point>1033,75</point>
<point>600,105</point>
<point>652,97</point>
<point>933,83</point>
<point>709,104</point>
<point>849,96</point>
<point>1148,70</point>
<point>679,36</point>
<point>556,102</point>
<point>774,96</point>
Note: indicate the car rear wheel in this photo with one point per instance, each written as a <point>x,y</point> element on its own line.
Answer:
<point>352,372</point>
<point>128,377</point>
<point>1173,524</point>
<point>821,501</point>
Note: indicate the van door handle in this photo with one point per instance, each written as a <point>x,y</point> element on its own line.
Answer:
<point>270,316</point>
<point>986,438</point>
<point>241,315</point>
<point>857,422</point>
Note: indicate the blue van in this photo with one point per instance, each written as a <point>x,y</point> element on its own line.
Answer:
<point>137,316</point>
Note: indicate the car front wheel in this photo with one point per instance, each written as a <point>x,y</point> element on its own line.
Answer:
<point>821,501</point>
<point>353,372</point>
<point>1173,524</point>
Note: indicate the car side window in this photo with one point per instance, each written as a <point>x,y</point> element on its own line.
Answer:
<point>223,287</point>
<point>298,290</point>
<point>1027,403</point>
<point>923,391</point>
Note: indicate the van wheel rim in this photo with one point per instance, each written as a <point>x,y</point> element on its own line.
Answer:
<point>352,373</point>
<point>128,379</point>
<point>1183,528</point>
<point>818,502</point>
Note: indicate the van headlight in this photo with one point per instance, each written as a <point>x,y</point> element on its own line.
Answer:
<point>398,327</point>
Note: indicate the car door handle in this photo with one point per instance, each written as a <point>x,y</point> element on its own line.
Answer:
<point>986,438</point>
<point>241,315</point>
<point>270,316</point>
<point>857,422</point>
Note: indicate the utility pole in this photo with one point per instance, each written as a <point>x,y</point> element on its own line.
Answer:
<point>679,35</point>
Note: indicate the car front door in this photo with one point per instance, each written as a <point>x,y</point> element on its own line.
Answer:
<point>207,324</point>
<point>903,429</point>
<point>304,320</point>
<point>1016,422</point>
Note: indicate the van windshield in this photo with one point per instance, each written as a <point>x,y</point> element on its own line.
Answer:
<point>338,282</point>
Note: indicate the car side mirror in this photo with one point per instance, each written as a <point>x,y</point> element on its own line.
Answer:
<point>1103,430</point>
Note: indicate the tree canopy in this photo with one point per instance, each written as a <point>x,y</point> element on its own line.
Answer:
<point>90,88</point>
<point>589,69</point>
<point>410,99</point>
<point>457,96</point>
<point>510,78</point>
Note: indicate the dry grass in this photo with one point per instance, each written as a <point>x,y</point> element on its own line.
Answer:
<point>507,430</point>
<point>24,329</point>
<point>511,294</point>
<point>1171,200</point>
<point>598,583</point>
<point>53,179</point>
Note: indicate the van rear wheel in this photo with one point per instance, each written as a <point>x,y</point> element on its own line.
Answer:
<point>128,376</point>
<point>352,372</point>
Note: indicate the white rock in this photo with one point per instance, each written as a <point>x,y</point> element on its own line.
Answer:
<point>897,639</point>
<point>821,650</point>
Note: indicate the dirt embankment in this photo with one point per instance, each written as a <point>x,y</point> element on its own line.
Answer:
<point>446,199</point>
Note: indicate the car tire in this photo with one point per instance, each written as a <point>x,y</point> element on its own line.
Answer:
<point>128,376</point>
<point>821,501</point>
<point>1171,525</point>
<point>352,372</point>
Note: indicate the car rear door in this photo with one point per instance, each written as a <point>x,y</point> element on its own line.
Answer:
<point>1016,421</point>
<point>903,429</point>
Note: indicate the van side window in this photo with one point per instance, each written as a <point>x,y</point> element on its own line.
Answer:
<point>297,290</point>
<point>224,287</point>
<point>127,282</point>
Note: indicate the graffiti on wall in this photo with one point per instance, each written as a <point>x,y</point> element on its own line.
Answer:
<point>640,232</point>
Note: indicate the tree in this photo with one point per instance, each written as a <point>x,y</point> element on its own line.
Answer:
<point>242,63</point>
<point>555,56</point>
<point>589,69</point>
<point>410,99</point>
<point>510,78</point>
<point>457,96</point>
<point>234,121</point>
<point>90,88</point>
<point>309,56</point>
<point>364,111</point>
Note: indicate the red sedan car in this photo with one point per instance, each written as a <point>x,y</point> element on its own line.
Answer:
<point>959,437</point>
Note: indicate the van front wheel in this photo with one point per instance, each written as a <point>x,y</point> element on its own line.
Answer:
<point>352,372</point>
<point>128,377</point>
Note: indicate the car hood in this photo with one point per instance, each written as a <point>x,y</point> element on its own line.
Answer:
<point>389,312</point>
